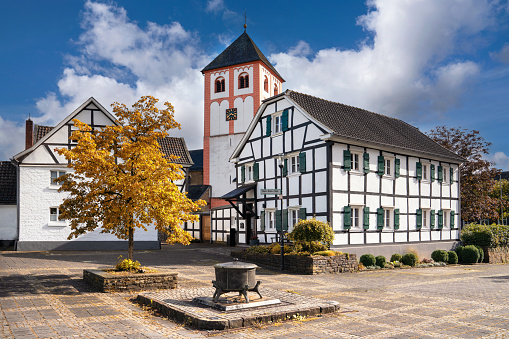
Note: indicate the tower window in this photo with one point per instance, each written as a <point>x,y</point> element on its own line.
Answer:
<point>219,85</point>
<point>276,90</point>
<point>266,84</point>
<point>244,80</point>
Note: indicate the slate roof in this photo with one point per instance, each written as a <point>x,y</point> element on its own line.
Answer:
<point>195,192</point>
<point>241,51</point>
<point>7,183</point>
<point>352,122</point>
<point>176,146</point>
<point>197,156</point>
<point>40,132</point>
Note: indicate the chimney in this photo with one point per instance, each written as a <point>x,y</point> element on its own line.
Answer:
<point>29,134</point>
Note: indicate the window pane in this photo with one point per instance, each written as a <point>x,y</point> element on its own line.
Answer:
<point>388,167</point>
<point>53,214</point>
<point>356,162</point>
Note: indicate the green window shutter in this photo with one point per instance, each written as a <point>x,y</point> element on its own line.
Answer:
<point>365,156</point>
<point>432,172</point>
<point>451,174</point>
<point>347,217</point>
<point>269,126</point>
<point>347,160</point>
<point>440,174</point>
<point>366,218</point>
<point>418,168</point>
<point>302,213</point>
<point>396,219</point>
<point>396,168</point>
<point>278,220</point>
<point>302,162</point>
<point>243,173</point>
<point>381,165</point>
<point>285,167</point>
<point>380,218</point>
<point>256,171</point>
<point>285,220</point>
<point>419,219</point>
<point>262,221</point>
<point>440,219</point>
<point>432,217</point>
<point>452,219</point>
<point>285,120</point>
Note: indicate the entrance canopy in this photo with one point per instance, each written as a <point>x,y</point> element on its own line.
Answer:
<point>239,195</point>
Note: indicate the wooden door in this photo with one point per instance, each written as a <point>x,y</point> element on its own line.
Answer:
<point>205,228</point>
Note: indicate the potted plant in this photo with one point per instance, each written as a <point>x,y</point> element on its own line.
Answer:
<point>254,240</point>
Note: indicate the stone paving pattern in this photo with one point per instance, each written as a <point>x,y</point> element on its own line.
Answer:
<point>42,295</point>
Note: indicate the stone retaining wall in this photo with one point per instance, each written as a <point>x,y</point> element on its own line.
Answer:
<point>303,264</point>
<point>497,255</point>
<point>109,282</point>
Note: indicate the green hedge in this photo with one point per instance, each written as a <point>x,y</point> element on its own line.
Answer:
<point>485,235</point>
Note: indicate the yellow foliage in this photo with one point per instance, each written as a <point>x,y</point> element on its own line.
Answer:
<point>121,179</point>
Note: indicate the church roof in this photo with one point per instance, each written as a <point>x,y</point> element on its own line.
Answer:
<point>356,123</point>
<point>241,51</point>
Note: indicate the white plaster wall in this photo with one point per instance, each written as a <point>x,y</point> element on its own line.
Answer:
<point>224,126</point>
<point>222,172</point>
<point>213,76</point>
<point>248,113</point>
<point>8,222</point>
<point>214,118</point>
<point>35,200</point>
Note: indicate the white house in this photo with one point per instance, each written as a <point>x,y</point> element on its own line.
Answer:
<point>38,226</point>
<point>382,184</point>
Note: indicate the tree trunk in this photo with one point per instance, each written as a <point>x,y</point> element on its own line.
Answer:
<point>131,243</point>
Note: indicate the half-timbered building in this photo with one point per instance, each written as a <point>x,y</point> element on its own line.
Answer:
<point>378,181</point>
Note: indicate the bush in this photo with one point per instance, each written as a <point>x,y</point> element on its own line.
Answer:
<point>409,259</point>
<point>258,249</point>
<point>459,252</point>
<point>368,260</point>
<point>127,265</point>
<point>439,256</point>
<point>327,253</point>
<point>380,261</point>
<point>481,253</point>
<point>485,235</point>
<point>452,257</point>
<point>311,247</point>
<point>470,254</point>
<point>312,230</point>
<point>396,257</point>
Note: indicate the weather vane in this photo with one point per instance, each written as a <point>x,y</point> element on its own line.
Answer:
<point>245,21</point>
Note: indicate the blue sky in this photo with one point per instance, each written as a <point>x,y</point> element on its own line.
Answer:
<point>429,62</point>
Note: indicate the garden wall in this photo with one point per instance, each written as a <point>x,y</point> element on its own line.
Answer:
<point>497,255</point>
<point>303,264</point>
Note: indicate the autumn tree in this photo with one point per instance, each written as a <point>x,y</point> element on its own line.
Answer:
<point>121,181</point>
<point>501,191</point>
<point>476,173</point>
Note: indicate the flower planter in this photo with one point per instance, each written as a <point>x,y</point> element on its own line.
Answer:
<point>104,281</point>
<point>254,242</point>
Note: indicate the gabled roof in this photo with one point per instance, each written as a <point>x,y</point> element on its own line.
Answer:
<point>177,147</point>
<point>8,184</point>
<point>196,192</point>
<point>351,123</point>
<point>241,51</point>
<point>40,132</point>
<point>197,156</point>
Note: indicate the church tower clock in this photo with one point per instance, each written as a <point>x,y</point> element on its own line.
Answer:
<point>236,82</point>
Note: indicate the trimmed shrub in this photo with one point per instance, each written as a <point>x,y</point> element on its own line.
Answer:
<point>258,249</point>
<point>327,253</point>
<point>470,254</point>
<point>481,253</point>
<point>396,257</point>
<point>452,257</point>
<point>485,235</point>
<point>409,259</point>
<point>439,256</point>
<point>368,260</point>
<point>459,252</point>
<point>380,261</point>
<point>312,230</point>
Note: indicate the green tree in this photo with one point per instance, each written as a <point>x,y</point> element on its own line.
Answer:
<point>476,173</point>
<point>121,180</point>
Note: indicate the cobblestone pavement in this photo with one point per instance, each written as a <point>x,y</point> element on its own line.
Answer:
<point>42,295</point>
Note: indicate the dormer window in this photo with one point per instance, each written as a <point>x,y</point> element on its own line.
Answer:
<point>266,84</point>
<point>220,85</point>
<point>276,90</point>
<point>243,80</point>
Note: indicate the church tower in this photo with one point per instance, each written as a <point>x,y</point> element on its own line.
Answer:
<point>236,82</point>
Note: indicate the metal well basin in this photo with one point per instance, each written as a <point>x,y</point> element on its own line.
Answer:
<point>235,277</point>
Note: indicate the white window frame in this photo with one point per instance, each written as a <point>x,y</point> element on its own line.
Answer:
<point>293,212</point>
<point>426,217</point>
<point>426,171</point>
<point>293,164</point>
<point>249,172</point>
<point>388,217</point>
<point>55,185</point>
<point>447,217</point>
<point>270,218</point>
<point>360,215</point>
<point>53,217</point>
<point>389,167</point>
<point>277,123</point>
<point>445,175</point>
<point>357,160</point>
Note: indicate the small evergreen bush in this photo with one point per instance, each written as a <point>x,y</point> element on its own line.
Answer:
<point>470,254</point>
<point>380,261</point>
<point>409,259</point>
<point>481,253</point>
<point>396,257</point>
<point>312,230</point>
<point>452,257</point>
<point>439,256</point>
<point>368,260</point>
<point>459,252</point>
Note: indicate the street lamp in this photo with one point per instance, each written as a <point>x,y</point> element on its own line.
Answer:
<point>280,162</point>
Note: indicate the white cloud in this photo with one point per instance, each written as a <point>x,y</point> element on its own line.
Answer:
<point>215,5</point>
<point>503,55</point>
<point>404,68</point>
<point>12,138</point>
<point>500,159</point>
